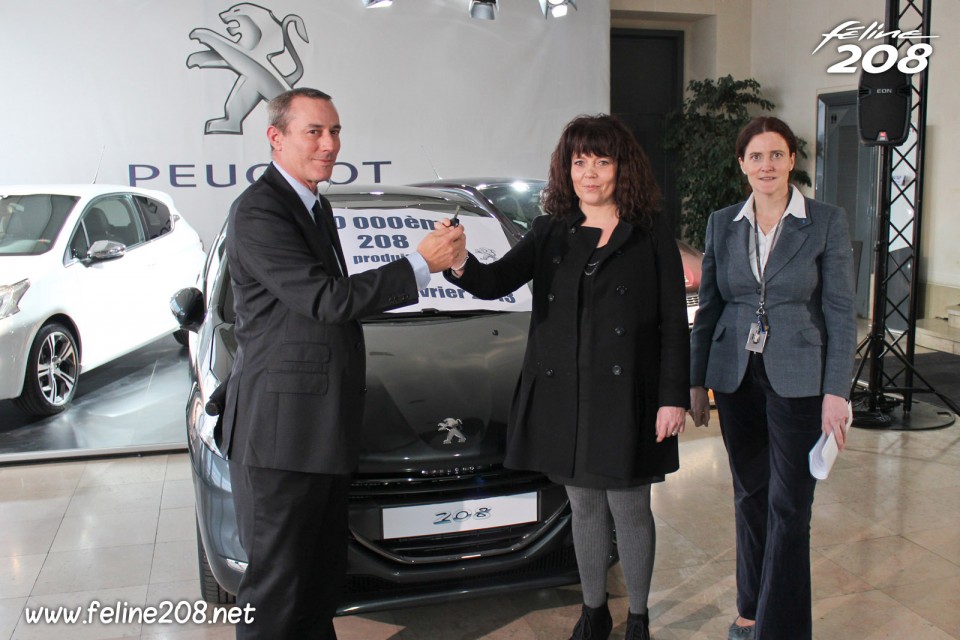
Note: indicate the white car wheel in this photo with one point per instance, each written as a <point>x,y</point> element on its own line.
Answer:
<point>52,371</point>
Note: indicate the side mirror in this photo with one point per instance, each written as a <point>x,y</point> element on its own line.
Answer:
<point>188,308</point>
<point>106,250</point>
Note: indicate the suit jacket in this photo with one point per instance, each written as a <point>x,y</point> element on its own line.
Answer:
<point>295,395</point>
<point>637,342</point>
<point>810,305</point>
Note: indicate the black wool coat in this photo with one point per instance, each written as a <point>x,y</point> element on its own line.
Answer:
<point>637,336</point>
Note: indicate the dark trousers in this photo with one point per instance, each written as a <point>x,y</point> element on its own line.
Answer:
<point>293,527</point>
<point>768,439</point>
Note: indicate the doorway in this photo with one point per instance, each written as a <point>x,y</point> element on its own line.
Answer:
<point>847,177</point>
<point>646,83</point>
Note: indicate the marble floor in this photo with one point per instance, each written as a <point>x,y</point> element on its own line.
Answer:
<point>886,550</point>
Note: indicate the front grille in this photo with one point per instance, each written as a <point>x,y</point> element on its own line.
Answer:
<point>369,495</point>
<point>405,488</point>
<point>693,300</point>
<point>555,562</point>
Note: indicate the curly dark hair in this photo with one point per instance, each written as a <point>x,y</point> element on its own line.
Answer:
<point>636,194</point>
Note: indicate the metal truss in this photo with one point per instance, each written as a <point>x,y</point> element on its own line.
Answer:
<point>890,380</point>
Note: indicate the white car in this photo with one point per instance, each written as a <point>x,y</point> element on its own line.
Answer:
<point>86,275</point>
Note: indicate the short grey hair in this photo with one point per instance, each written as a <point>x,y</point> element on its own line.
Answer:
<point>279,107</point>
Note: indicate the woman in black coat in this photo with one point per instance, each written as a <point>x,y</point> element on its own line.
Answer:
<point>604,382</point>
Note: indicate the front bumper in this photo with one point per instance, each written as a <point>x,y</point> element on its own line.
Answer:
<point>540,555</point>
<point>16,336</point>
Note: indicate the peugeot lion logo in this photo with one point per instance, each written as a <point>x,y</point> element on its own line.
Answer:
<point>257,39</point>
<point>452,427</point>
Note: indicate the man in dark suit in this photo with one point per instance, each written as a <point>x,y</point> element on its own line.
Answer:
<point>294,402</point>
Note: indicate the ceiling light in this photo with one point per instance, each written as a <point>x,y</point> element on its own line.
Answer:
<point>373,4</point>
<point>483,9</point>
<point>556,8</point>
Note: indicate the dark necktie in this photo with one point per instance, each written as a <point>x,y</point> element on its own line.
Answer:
<point>324,221</point>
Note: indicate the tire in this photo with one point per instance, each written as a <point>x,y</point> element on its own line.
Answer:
<point>181,336</point>
<point>210,589</point>
<point>53,369</point>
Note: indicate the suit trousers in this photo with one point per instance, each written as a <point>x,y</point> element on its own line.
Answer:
<point>293,527</point>
<point>768,439</point>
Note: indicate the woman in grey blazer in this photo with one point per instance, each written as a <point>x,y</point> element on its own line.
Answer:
<point>774,339</point>
<point>604,385</point>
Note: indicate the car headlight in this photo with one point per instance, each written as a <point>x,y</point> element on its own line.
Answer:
<point>10,296</point>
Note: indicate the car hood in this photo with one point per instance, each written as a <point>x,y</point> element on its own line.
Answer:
<point>16,268</point>
<point>438,392</point>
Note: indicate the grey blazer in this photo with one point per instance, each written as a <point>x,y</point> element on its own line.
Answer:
<point>810,305</point>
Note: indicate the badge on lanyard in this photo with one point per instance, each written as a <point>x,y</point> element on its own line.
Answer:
<point>760,330</point>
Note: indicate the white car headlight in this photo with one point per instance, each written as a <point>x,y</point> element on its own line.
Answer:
<point>10,296</point>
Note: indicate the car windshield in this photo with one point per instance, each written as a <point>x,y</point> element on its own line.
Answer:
<point>518,200</point>
<point>377,231</point>
<point>29,224</point>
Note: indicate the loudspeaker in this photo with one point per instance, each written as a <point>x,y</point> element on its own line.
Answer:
<point>884,107</point>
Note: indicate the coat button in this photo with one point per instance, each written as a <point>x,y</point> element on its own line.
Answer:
<point>557,259</point>
<point>758,290</point>
<point>620,331</point>
<point>550,297</point>
<point>549,373</point>
<point>617,370</point>
<point>622,290</point>
<point>573,229</point>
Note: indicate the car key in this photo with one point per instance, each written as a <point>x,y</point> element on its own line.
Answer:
<point>455,221</point>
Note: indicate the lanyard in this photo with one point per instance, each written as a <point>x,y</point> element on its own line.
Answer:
<point>761,311</point>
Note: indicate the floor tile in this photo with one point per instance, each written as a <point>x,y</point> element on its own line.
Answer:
<point>94,569</point>
<point>117,498</point>
<point>40,508</point>
<point>106,530</point>
<point>177,493</point>
<point>870,615</point>
<point>102,614</point>
<point>937,601</point>
<point>889,562</point>
<point>177,524</point>
<point>179,467</point>
<point>943,541</point>
<point>124,471</point>
<point>174,561</point>
<point>59,479</point>
<point>18,575</point>
<point>10,610</point>
<point>27,537</point>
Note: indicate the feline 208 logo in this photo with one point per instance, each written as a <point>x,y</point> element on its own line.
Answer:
<point>880,57</point>
<point>258,40</point>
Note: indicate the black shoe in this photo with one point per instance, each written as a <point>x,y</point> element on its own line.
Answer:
<point>736,632</point>
<point>594,624</point>
<point>638,627</point>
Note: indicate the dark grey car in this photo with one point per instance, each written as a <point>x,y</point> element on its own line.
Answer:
<point>434,515</point>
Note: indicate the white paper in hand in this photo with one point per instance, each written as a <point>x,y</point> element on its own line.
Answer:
<point>824,453</point>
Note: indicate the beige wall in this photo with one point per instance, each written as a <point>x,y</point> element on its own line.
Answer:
<point>772,41</point>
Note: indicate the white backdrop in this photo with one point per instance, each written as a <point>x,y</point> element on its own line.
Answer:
<point>416,84</point>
